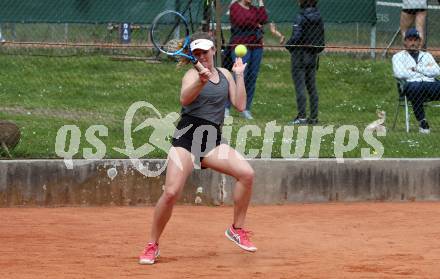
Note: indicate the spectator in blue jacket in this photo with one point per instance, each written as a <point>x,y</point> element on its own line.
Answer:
<point>305,44</point>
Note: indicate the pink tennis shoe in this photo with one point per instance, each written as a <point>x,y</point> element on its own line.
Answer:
<point>150,254</point>
<point>241,238</point>
<point>238,236</point>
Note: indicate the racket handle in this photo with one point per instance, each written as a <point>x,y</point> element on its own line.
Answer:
<point>198,65</point>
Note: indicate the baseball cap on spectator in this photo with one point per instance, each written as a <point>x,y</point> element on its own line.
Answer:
<point>412,33</point>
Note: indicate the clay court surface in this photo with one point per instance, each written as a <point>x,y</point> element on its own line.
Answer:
<point>340,240</point>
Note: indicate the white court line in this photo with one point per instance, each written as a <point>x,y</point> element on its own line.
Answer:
<point>390,4</point>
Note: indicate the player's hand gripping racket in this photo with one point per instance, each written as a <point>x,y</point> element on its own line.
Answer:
<point>170,35</point>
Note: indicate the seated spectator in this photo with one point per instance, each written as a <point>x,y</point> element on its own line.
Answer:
<point>418,70</point>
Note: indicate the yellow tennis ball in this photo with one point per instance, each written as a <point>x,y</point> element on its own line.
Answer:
<point>240,50</point>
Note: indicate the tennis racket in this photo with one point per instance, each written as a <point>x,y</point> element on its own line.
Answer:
<point>170,35</point>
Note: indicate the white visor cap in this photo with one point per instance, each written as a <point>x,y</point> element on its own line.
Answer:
<point>204,44</point>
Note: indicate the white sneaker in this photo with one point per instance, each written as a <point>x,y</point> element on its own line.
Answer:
<point>227,113</point>
<point>424,127</point>
<point>299,121</point>
<point>247,114</point>
<point>424,131</point>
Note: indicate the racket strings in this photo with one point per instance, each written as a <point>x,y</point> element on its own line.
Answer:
<point>169,33</point>
<point>176,45</point>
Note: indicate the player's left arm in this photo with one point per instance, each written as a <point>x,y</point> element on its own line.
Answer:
<point>237,89</point>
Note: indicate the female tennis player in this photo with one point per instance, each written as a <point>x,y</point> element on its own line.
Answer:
<point>203,97</point>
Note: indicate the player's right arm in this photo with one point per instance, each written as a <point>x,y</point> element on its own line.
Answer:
<point>192,84</point>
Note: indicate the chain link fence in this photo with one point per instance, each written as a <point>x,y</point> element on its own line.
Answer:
<point>326,62</point>
<point>365,23</point>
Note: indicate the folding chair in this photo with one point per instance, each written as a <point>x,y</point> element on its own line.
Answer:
<point>402,101</point>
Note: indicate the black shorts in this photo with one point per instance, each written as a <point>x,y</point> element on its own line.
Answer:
<point>202,137</point>
<point>413,11</point>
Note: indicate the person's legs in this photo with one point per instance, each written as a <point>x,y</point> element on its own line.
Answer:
<point>406,20</point>
<point>180,165</point>
<point>310,81</point>
<point>416,94</point>
<point>420,23</point>
<point>226,160</point>
<point>251,74</point>
<point>419,93</point>
<point>298,77</point>
<point>433,91</point>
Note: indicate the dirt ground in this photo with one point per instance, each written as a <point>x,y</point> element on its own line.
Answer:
<point>339,240</point>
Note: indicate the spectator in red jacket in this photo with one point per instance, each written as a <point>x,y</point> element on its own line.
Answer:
<point>247,28</point>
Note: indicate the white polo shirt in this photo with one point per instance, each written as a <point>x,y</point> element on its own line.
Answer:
<point>425,69</point>
<point>415,4</point>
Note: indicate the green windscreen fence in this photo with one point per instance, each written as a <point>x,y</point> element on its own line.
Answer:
<point>79,11</point>
<point>334,11</point>
<point>143,11</point>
